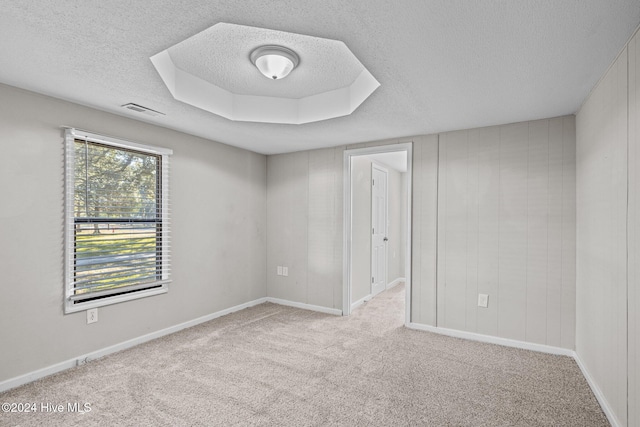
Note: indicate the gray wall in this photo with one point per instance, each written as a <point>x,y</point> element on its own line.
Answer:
<point>504,214</point>
<point>506,228</point>
<point>218,233</point>
<point>304,226</point>
<point>608,256</point>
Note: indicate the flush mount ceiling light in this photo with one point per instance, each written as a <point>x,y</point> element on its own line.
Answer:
<point>274,62</point>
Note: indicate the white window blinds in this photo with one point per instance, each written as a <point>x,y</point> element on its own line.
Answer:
<point>117,227</point>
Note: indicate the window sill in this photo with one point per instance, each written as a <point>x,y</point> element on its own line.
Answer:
<point>70,307</point>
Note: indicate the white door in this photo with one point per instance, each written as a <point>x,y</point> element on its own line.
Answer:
<point>379,229</point>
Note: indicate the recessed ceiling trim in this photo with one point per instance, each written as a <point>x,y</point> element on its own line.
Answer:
<point>361,88</point>
<point>193,90</point>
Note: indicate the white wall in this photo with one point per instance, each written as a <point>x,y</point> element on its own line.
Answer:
<point>506,228</point>
<point>218,233</point>
<point>608,191</point>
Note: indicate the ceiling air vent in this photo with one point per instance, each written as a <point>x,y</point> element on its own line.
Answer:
<point>144,110</point>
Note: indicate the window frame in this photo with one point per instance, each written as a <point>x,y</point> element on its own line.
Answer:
<point>155,288</point>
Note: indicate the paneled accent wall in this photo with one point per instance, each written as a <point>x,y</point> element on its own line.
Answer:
<point>424,230</point>
<point>506,228</point>
<point>634,233</point>
<point>495,206</point>
<point>304,226</point>
<point>602,142</point>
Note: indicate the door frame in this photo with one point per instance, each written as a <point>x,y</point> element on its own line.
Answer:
<point>375,165</point>
<point>347,221</point>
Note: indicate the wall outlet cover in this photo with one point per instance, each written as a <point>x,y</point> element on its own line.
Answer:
<point>285,271</point>
<point>483,300</point>
<point>279,270</point>
<point>92,315</point>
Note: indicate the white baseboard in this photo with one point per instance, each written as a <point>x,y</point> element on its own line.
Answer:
<point>494,340</point>
<point>396,282</point>
<point>58,367</point>
<point>82,359</point>
<point>604,404</point>
<point>321,309</point>
<point>361,301</point>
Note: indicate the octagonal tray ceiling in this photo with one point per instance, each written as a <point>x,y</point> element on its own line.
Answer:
<point>212,71</point>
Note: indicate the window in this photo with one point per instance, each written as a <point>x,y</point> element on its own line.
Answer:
<point>117,220</point>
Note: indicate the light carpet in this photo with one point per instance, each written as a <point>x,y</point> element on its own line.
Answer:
<point>281,366</point>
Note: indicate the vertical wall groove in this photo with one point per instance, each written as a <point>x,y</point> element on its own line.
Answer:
<point>633,236</point>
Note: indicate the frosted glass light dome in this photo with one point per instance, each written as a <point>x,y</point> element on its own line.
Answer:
<point>274,62</point>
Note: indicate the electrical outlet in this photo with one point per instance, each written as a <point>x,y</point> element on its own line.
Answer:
<point>285,271</point>
<point>279,270</point>
<point>483,300</point>
<point>92,315</point>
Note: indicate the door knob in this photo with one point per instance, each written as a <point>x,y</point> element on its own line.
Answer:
<point>385,239</point>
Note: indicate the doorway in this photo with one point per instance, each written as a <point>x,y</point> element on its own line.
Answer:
<point>377,218</point>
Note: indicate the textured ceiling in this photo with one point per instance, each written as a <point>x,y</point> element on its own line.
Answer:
<point>442,65</point>
<point>220,55</point>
